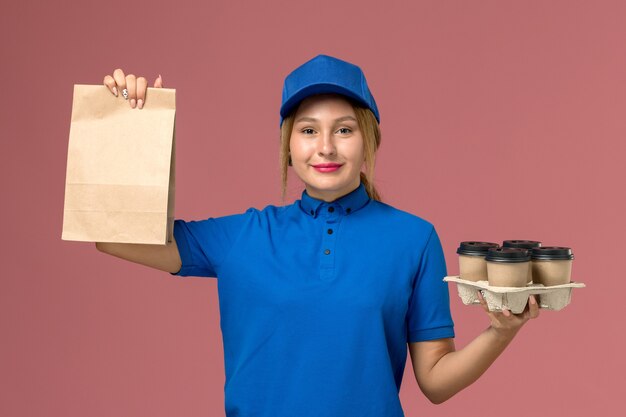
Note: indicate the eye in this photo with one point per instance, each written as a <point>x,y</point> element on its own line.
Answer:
<point>308,131</point>
<point>344,130</point>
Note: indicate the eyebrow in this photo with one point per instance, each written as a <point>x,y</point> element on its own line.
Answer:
<point>312,119</point>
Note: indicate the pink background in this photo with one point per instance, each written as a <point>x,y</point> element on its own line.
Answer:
<point>500,119</point>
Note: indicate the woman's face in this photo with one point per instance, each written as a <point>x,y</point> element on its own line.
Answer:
<point>326,146</point>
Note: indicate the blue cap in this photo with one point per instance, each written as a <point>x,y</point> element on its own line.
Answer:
<point>322,75</point>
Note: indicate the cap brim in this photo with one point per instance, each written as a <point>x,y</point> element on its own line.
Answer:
<point>315,89</point>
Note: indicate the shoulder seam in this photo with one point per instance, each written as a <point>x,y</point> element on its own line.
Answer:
<point>230,250</point>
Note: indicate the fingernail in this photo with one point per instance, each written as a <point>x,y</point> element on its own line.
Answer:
<point>132,103</point>
<point>532,300</point>
<point>115,91</point>
<point>140,103</point>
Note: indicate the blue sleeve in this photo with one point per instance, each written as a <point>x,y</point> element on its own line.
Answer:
<point>203,245</point>
<point>429,315</point>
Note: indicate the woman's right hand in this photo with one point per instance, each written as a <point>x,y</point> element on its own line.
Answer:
<point>135,87</point>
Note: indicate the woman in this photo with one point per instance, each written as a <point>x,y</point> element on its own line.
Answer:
<point>319,299</point>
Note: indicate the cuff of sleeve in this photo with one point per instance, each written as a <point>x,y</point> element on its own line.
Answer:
<point>183,249</point>
<point>442,332</point>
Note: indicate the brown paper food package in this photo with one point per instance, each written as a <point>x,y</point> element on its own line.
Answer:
<point>120,168</point>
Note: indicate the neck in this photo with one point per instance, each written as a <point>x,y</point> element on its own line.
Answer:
<point>330,195</point>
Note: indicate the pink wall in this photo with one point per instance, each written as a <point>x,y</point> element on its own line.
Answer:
<point>501,120</point>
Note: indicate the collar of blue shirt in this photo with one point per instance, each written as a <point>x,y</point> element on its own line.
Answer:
<point>349,203</point>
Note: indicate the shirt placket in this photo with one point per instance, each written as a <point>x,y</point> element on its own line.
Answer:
<point>331,218</point>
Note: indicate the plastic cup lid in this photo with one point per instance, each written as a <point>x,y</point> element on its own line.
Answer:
<point>472,248</point>
<point>524,244</point>
<point>549,253</point>
<point>508,255</point>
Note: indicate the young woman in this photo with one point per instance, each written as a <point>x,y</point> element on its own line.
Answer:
<point>320,299</point>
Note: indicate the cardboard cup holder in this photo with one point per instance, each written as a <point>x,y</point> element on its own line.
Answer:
<point>514,298</point>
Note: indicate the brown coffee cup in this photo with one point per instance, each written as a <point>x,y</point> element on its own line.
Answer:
<point>472,264</point>
<point>507,267</point>
<point>552,265</point>
<point>524,244</point>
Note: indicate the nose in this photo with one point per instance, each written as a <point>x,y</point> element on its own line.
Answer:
<point>326,146</point>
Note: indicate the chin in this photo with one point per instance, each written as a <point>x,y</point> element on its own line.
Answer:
<point>328,183</point>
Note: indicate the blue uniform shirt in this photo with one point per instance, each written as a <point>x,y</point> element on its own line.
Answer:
<point>318,302</point>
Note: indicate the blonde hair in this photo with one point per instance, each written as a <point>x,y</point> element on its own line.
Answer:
<point>370,131</point>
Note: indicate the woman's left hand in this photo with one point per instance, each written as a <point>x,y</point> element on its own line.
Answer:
<point>506,323</point>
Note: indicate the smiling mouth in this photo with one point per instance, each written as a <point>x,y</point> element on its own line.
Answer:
<point>327,167</point>
<point>331,165</point>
